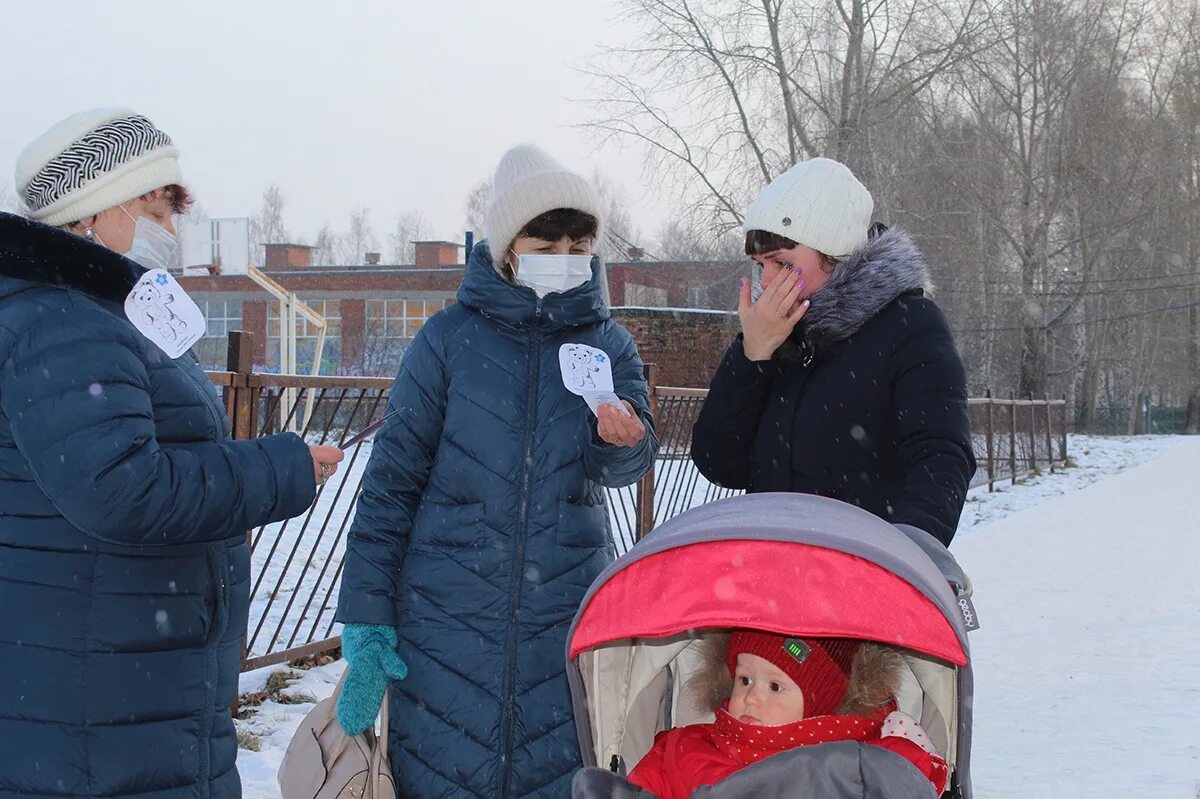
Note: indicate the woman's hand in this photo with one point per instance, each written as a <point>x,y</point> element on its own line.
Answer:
<point>325,460</point>
<point>767,323</point>
<point>618,429</point>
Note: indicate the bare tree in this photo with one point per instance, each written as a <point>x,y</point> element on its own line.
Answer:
<point>358,240</point>
<point>724,95</point>
<point>619,232</point>
<point>325,246</point>
<point>1185,101</point>
<point>1044,153</point>
<point>267,227</point>
<point>1029,93</point>
<point>476,207</point>
<point>410,227</point>
<point>677,240</point>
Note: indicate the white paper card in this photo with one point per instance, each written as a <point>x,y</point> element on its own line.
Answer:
<point>164,313</point>
<point>587,372</point>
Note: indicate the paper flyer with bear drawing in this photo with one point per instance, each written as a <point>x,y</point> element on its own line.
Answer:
<point>587,372</point>
<point>163,312</point>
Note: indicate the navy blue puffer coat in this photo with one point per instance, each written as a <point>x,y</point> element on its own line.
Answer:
<point>481,524</point>
<point>124,570</point>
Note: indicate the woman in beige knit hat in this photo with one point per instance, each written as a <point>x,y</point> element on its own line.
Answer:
<point>845,380</point>
<point>124,505</point>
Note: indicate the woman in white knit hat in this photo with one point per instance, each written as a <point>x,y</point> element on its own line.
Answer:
<point>124,569</point>
<point>845,380</point>
<point>482,519</point>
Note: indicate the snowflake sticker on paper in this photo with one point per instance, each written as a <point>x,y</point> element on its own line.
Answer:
<point>586,372</point>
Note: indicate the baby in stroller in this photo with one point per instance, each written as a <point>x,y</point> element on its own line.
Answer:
<point>775,645</point>
<point>771,693</point>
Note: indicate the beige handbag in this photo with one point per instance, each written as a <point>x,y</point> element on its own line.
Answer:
<point>323,762</point>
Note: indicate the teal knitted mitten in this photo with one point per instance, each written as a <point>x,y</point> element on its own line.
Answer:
<point>370,652</point>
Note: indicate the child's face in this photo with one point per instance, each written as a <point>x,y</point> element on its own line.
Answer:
<point>762,694</point>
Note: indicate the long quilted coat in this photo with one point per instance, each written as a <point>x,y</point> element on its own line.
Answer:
<point>481,524</point>
<point>123,560</point>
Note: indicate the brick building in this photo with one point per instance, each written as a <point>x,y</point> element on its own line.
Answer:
<point>685,345</point>
<point>372,311</point>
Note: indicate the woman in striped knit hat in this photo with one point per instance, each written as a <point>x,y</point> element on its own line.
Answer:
<point>124,506</point>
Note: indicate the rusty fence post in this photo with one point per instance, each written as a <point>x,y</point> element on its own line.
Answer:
<point>991,453</point>
<point>240,361</point>
<point>1012,437</point>
<point>645,486</point>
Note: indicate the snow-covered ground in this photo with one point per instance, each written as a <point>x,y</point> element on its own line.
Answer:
<point>1088,661</point>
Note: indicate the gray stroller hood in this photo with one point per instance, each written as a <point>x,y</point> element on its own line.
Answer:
<point>785,563</point>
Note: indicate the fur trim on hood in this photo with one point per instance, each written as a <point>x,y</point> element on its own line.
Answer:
<point>871,277</point>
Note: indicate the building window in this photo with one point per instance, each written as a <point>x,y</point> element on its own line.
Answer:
<point>399,319</point>
<point>221,317</point>
<point>306,337</point>
<point>390,326</point>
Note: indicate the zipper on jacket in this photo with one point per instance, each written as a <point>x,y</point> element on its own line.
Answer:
<point>518,569</point>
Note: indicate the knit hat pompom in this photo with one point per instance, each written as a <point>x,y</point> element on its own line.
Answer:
<point>820,667</point>
<point>93,161</point>
<point>527,184</point>
<point>818,203</point>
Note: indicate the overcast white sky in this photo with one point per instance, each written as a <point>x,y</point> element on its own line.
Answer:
<point>388,105</point>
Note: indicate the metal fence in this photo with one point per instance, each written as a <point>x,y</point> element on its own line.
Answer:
<point>1013,438</point>
<point>297,564</point>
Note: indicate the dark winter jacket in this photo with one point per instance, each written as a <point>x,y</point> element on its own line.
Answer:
<point>124,570</point>
<point>866,404</point>
<point>481,524</point>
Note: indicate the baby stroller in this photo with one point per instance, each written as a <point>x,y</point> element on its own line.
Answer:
<point>791,564</point>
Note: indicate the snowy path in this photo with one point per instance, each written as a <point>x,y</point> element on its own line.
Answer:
<point>1088,661</point>
<point>1085,581</point>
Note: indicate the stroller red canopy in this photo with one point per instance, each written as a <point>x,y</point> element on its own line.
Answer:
<point>785,587</point>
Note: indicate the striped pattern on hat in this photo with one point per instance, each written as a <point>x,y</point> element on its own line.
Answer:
<point>101,151</point>
<point>93,161</point>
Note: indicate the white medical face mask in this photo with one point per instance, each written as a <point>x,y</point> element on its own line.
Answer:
<point>154,247</point>
<point>553,274</point>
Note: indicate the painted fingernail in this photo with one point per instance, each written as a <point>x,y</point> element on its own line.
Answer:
<point>805,304</point>
<point>788,267</point>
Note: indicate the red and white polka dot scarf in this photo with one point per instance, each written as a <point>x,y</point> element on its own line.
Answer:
<point>750,743</point>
